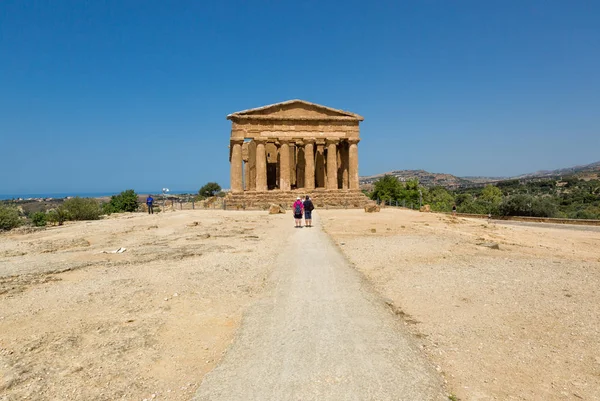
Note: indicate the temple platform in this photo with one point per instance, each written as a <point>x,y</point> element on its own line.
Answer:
<point>322,198</point>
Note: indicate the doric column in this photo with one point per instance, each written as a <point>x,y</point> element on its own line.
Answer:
<point>284,165</point>
<point>309,167</point>
<point>251,166</point>
<point>261,165</point>
<point>293,163</point>
<point>300,165</point>
<point>236,165</point>
<point>353,163</point>
<point>332,182</point>
<point>344,166</point>
<point>320,163</point>
<point>246,170</point>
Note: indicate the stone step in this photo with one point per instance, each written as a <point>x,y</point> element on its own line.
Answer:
<point>321,198</point>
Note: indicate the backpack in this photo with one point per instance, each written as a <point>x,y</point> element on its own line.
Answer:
<point>308,205</point>
<point>298,208</point>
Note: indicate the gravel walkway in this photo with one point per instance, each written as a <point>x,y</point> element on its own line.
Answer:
<point>320,335</point>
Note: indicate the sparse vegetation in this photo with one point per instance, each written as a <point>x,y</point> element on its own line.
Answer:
<point>391,189</point>
<point>528,205</point>
<point>38,219</point>
<point>208,190</point>
<point>126,201</point>
<point>567,198</point>
<point>9,218</point>
<point>57,216</point>
<point>439,199</point>
<point>81,209</point>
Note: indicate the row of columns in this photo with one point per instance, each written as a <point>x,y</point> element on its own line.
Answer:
<point>285,164</point>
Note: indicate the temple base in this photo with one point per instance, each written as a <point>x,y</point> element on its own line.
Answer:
<point>322,198</point>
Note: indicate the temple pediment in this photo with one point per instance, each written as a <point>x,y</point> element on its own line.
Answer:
<point>294,110</point>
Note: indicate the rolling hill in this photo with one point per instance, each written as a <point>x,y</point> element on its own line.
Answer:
<point>586,172</point>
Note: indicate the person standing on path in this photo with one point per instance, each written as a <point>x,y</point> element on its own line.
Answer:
<point>454,210</point>
<point>150,204</point>
<point>308,208</point>
<point>298,207</point>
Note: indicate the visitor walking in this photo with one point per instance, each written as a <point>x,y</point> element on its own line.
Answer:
<point>298,207</point>
<point>454,210</point>
<point>150,204</point>
<point>308,208</point>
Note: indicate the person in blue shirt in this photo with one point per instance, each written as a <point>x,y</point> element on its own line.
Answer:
<point>149,203</point>
<point>308,208</point>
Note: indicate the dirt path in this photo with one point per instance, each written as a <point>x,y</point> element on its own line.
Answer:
<point>321,335</point>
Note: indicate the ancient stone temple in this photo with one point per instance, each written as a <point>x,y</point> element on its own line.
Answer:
<point>294,148</point>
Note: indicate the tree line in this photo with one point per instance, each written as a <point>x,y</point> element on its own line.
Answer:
<point>569,197</point>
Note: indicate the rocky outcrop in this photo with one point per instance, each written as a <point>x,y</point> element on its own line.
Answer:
<point>276,209</point>
<point>372,208</point>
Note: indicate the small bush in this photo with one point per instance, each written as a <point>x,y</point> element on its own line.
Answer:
<point>9,218</point>
<point>38,219</point>
<point>126,201</point>
<point>52,217</point>
<point>57,216</point>
<point>81,209</point>
<point>589,213</point>
<point>210,189</point>
<point>528,205</point>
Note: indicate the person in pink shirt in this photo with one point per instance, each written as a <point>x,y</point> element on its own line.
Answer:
<point>298,208</point>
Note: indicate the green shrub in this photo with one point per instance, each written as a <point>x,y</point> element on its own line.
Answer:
<point>81,209</point>
<point>527,205</point>
<point>57,216</point>
<point>492,196</point>
<point>588,213</point>
<point>52,217</point>
<point>387,188</point>
<point>38,219</point>
<point>475,207</point>
<point>438,198</point>
<point>9,218</point>
<point>126,201</point>
<point>210,189</point>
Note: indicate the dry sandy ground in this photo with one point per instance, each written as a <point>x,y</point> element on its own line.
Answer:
<point>76,323</point>
<point>321,334</point>
<point>518,323</point>
<point>521,322</point>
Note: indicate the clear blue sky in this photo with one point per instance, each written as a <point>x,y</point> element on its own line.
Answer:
<point>109,95</point>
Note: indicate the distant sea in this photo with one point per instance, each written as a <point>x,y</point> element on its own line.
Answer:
<point>61,195</point>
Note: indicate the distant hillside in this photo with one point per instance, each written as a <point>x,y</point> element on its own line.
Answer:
<point>586,172</point>
<point>425,178</point>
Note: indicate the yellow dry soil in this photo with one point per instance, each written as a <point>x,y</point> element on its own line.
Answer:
<point>79,324</point>
<point>520,322</point>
